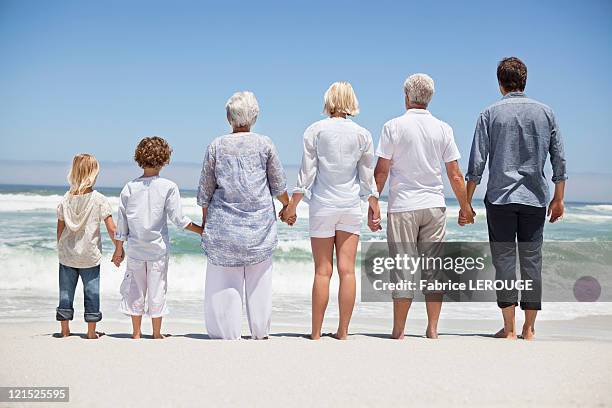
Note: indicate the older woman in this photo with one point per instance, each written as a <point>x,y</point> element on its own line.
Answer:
<point>240,177</point>
<point>337,171</point>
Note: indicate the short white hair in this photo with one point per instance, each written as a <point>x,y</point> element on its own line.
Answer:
<point>419,88</point>
<point>242,109</point>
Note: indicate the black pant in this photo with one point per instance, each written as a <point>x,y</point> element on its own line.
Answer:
<point>508,223</point>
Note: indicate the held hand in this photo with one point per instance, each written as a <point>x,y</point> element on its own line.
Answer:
<point>466,216</point>
<point>374,219</point>
<point>556,210</point>
<point>118,257</point>
<point>288,215</point>
<point>281,213</point>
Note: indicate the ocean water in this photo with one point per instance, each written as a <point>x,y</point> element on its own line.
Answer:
<point>29,270</point>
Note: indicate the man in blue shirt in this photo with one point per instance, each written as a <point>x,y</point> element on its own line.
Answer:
<point>516,134</point>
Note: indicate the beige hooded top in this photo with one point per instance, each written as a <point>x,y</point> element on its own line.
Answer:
<point>80,245</point>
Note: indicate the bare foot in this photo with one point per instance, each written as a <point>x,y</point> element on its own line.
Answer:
<point>431,333</point>
<point>528,333</point>
<point>65,328</point>
<point>158,336</point>
<point>136,336</point>
<point>501,334</point>
<point>315,336</point>
<point>397,336</point>
<point>94,335</point>
<point>339,336</point>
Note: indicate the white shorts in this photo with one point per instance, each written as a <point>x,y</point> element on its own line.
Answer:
<point>145,281</point>
<point>325,226</point>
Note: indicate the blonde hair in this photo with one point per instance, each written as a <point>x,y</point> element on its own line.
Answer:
<point>340,98</point>
<point>83,174</point>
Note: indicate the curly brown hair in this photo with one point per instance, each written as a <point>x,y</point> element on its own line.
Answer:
<point>153,152</point>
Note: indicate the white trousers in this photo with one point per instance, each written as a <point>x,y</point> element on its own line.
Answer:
<point>223,297</point>
<point>145,280</point>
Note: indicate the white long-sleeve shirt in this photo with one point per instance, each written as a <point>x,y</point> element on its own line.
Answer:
<point>337,166</point>
<point>145,204</point>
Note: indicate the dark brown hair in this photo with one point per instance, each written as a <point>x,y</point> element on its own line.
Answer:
<point>152,152</point>
<point>512,74</point>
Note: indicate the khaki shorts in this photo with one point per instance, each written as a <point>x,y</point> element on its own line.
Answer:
<point>415,233</point>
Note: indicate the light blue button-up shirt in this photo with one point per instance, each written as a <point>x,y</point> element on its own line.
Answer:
<point>241,175</point>
<point>517,134</point>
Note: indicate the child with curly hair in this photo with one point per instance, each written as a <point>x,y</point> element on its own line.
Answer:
<point>145,204</point>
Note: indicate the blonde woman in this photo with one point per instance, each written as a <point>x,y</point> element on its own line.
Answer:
<point>337,173</point>
<point>79,244</point>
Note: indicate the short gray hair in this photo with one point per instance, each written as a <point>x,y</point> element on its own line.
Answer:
<point>242,109</point>
<point>419,88</point>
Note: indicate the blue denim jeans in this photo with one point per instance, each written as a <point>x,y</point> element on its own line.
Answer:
<point>68,278</point>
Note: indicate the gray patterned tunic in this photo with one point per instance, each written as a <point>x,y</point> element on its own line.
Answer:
<point>241,175</point>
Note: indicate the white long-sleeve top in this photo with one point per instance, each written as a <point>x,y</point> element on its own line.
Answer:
<point>337,169</point>
<point>145,204</point>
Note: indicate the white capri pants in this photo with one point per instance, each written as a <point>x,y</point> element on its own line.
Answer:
<point>145,280</point>
<point>223,298</point>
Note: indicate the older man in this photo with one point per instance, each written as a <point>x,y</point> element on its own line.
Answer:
<point>516,134</point>
<point>411,151</point>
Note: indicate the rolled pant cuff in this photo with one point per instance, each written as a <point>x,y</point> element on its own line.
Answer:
<point>434,292</point>
<point>64,314</point>
<point>503,305</point>
<point>531,305</point>
<point>400,295</point>
<point>93,317</point>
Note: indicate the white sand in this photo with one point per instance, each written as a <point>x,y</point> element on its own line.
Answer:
<point>570,364</point>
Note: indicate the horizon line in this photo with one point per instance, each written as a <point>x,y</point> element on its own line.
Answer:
<point>184,163</point>
<point>178,162</point>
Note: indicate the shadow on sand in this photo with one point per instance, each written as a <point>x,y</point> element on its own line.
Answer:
<point>81,335</point>
<point>203,336</point>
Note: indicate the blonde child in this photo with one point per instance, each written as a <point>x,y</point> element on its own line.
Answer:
<point>145,205</point>
<point>79,244</point>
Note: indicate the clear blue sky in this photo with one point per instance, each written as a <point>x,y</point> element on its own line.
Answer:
<point>96,76</point>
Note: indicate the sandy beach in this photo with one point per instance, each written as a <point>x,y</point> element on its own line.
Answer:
<point>570,364</point>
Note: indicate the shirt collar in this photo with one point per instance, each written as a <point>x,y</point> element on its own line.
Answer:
<point>416,110</point>
<point>517,94</point>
